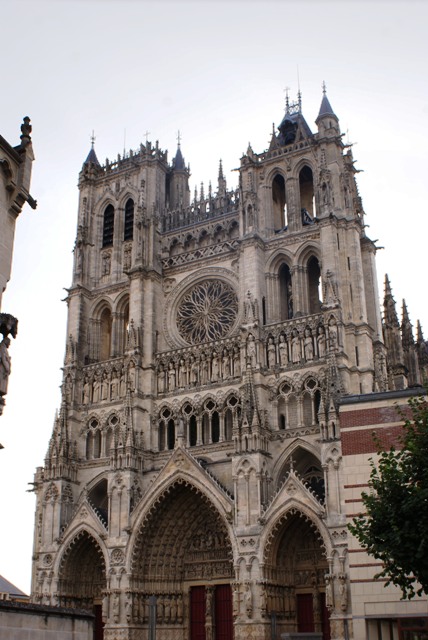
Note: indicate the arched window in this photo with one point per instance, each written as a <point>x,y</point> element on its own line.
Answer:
<point>285,292</point>
<point>307,202</point>
<point>215,427</point>
<point>128,232</point>
<point>228,424</point>
<point>161,435</point>
<point>193,431</point>
<point>105,334</point>
<point>171,434</point>
<point>108,227</point>
<point>205,428</point>
<point>314,285</point>
<point>279,203</point>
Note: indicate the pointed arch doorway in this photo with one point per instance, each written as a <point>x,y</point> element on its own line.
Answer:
<point>296,565</point>
<point>183,557</point>
<point>82,578</point>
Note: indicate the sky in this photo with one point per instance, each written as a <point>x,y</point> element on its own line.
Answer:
<point>217,72</point>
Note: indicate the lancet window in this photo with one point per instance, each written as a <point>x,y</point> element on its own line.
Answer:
<point>285,292</point>
<point>279,202</point>
<point>299,407</point>
<point>128,231</point>
<point>108,226</point>
<point>307,199</point>
<point>314,284</point>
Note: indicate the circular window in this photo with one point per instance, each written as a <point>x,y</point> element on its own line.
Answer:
<point>207,312</point>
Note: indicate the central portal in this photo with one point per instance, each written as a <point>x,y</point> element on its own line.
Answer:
<point>211,612</point>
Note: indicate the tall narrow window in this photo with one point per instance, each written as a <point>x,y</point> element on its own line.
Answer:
<point>108,228</point>
<point>314,284</point>
<point>105,337</point>
<point>279,204</point>
<point>285,292</point>
<point>171,434</point>
<point>215,427</point>
<point>193,431</point>
<point>307,204</point>
<point>129,220</point>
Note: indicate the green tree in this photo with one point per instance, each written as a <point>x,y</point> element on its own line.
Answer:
<point>394,528</point>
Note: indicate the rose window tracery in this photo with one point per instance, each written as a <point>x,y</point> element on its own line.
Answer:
<point>207,312</point>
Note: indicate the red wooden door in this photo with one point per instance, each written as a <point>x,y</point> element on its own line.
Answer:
<point>98,623</point>
<point>223,612</point>
<point>197,613</point>
<point>305,613</point>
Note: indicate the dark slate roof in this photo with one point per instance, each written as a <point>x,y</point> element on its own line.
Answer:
<point>325,108</point>
<point>178,162</point>
<point>92,157</point>
<point>8,587</point>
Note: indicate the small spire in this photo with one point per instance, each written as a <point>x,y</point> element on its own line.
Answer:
<point>325,108</point>
<point>419,333</point>
<point>406,327</point>
<point>92,156</point>
<point>220,171</point>
<point>390,313</point>
<point>287,100</point>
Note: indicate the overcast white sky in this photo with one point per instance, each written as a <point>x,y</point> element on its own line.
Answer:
<point>217,72</point>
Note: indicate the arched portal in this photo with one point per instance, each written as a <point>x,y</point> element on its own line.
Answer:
<point>183,558</point>
<point>296,565</point>
<point>82,578</point>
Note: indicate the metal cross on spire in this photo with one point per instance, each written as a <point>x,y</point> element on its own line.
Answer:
<point>178,137</point>
<point>287,102</point>
<point>93,138</point>
<point>146,135</point>
<point>324,88</point>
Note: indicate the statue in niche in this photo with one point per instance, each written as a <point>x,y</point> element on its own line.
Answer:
<point>308,345</point>
<point>180,608</point>
<point>131,376</point>
<point>204,370</point>
<point>104,386</point>
<point>182,373</point>
<point>271,353</point>
<point>321,341</point>
<point>173,609</point>
<point>194,372</point>
<point>128,607</point>
<point>68,388</point>
<point>251,350</point>
<point>283,351</point>
<point>226,365</point>
<point>96,388</point>
<point>236,362</point>
<point>161,379</point>
<point>235,600</point>
<point>167,610</point>
<point>214,368</point>
<point>343,592</point>
<point>5,365</point>
<point>86,391</point>
<point>332,334</point>
<point>171,377</point>
<point>106,264</point>
<point>114,385</point>
<point>296,352</point>
<point>329,600</point>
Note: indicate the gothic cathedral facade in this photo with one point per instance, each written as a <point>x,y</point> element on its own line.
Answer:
<point>194,481</point>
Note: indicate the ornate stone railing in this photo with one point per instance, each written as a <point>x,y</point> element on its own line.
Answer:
<point>199,254</point>
<point>205,209</point>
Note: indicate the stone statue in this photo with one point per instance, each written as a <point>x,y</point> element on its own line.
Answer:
<point>296,352</point>
<point>283,351</point>
<point>271,353</point>
<point>182,373</point>
<point>214,368</point>
<point>332,334</point>
<point>96,389</point>
<point>105,607</point>
<point>161,379</point>
<point>86,391</point>
<point>204,370</point>
<point>251,350</point>
<point>5,365</point>
<point>329,599</point>
<point>321,341</point>
<point>248,599</point>
<point>171,377</point>
<point>114,385</point>
<point>104,386</point>
<point>194,372</point>
<point>226,365</point>
<point>308,345</point>
<point>131,376</point>
<point>116,607</point>
<point>343,592</point>
<point>236,362</point>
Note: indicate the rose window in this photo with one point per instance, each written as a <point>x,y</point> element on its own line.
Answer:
<point>207,312</point>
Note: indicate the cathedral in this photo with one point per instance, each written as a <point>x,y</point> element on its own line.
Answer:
<point>226,364</point>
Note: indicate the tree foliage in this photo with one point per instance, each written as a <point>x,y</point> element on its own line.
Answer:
<point>394,528</point>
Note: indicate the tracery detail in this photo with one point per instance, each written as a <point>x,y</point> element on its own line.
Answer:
<point>207,312</point>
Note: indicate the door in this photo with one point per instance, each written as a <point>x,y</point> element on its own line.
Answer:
<point>305,613</point>
<point>197,613</point>
<point>98,623</point>
<point>223,612</point>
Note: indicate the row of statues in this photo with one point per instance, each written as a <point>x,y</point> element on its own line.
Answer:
<point>106,386</point>
<point>195,371</point>
<point>169,607</point>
